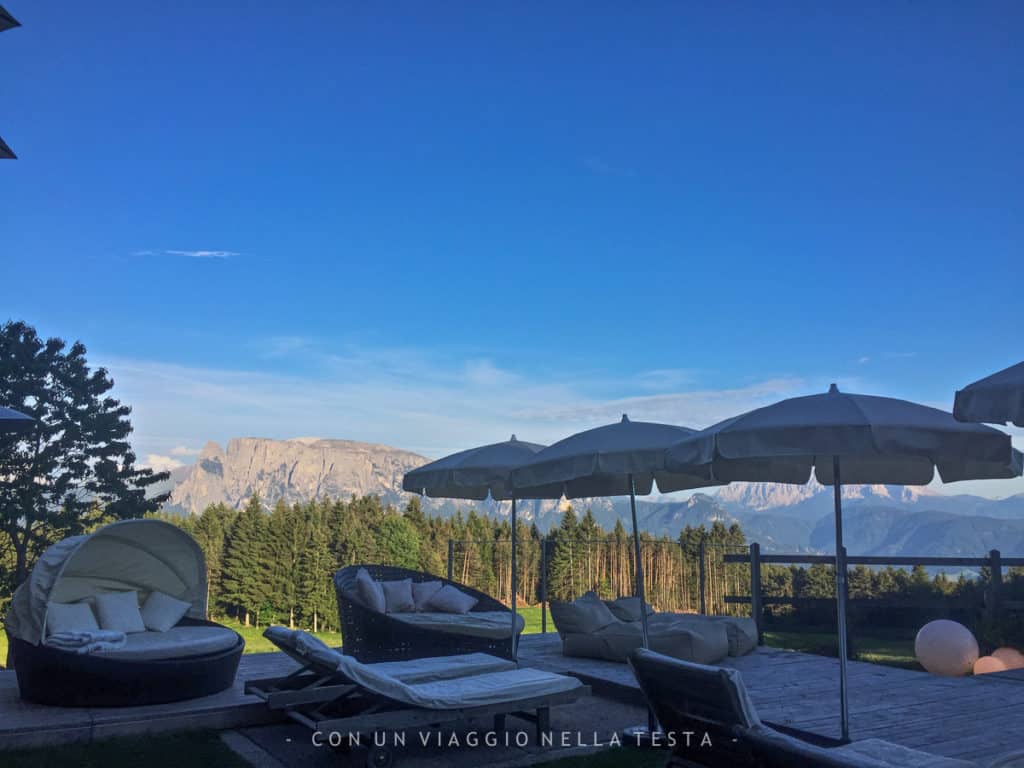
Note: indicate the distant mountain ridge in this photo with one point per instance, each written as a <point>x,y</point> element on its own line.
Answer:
<point>880,519</point>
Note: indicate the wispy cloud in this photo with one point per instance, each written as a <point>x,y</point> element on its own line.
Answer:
<point>201,254</point>
<point>398,397</point>
<point>863,360</point>
<point>182,450</point>
<point>204,254</point>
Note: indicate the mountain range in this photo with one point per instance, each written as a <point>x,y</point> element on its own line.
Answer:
<point>879,519</point>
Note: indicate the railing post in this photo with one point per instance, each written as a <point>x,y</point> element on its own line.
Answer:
<point>451,558</point>
<point>995,584</point>
<point>755,589</point>
<point>703,579</point>
<point>543,585</point>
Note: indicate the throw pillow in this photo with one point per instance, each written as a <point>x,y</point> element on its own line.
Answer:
<point>370,592</point>
<point>422,591</point>
<point>160,612</point>
<point>119,611</point>
<point>449,599</point>
<point>70,617</point>
<point>398,596</point>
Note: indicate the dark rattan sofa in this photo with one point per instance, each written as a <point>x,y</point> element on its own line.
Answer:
<point>60,678</point>
<point>371,636</point>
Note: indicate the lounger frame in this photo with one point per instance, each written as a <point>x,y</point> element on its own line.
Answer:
<point>308,696</point>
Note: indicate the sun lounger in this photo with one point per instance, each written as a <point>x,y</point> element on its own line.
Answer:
<point>689,697</point>
<point>332,692</point>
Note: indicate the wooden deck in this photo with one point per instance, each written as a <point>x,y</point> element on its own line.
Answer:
<point>971,718</point>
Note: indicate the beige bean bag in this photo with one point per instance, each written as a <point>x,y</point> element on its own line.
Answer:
<point>589,629</point>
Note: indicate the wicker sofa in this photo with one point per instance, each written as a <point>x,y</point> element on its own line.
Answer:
<point>371,636</point>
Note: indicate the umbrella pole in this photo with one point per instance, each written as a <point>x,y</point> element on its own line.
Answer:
<point>639,566</point>
<point>844,709</point>
<point>514,580</point>
<point>652,723</point>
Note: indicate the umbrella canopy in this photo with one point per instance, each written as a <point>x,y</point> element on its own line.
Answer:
<point>845,438</point>
<point>7,21</point>
<point>996,399</point>
<point>619,459</point>
<point>613,460</point>
<point>14,421</point>
<point>6,153</point>
<point>878,439</point>
<point>478,473</point>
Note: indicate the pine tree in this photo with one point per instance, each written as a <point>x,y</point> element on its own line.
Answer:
<point>243,586</point>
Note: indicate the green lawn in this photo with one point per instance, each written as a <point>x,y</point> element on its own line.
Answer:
<point>170,751</point>
<point>879,648</point>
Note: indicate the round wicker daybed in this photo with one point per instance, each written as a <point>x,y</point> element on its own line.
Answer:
<point>194,658</point>
<point>371,636</point>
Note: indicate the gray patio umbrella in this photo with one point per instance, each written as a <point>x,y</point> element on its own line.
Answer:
<point>14,421</point>
<point>479,473</point>
<point>869,439</point>
<point>996,399</point>
<point>625,458</point>
<point>7,21</point>
<point>6,153</point>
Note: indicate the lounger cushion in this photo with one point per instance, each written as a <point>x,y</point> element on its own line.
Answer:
<point>119,611</point>
<point>463,692</point>
<point>398,596</point>
<point>583,616</point>
<point>176,643</point>
<point>449,599</point>
<point>314,650</point>
<point>422,591</point>
<point>370,592</point>
<point>160,612</point>
<point>494,625</point>
<point>70,617</point>
<point>870,753</point>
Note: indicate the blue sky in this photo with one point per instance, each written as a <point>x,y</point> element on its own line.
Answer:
<point>433,225</point>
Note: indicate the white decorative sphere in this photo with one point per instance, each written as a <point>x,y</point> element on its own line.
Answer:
<point>988,664</point>
<point>1011,657</point>
<point>946,648</point>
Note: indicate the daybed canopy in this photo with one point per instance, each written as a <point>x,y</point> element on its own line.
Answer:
<point>141,555</point>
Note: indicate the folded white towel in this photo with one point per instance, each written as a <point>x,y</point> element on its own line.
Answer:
<point>87,642</point>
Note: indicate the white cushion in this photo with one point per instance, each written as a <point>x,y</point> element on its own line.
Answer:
<point>160,612</point>
<point>398,596</point>
<point>448,599</point>
<point>120,611</point>
<point>370,592</point>
<point>422,591</point>
<point>70,617</point>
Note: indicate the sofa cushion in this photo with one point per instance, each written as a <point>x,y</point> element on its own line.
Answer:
<point>627,608</point>
<point>398,596</point>
<point>582,616</point>
<point>422,591</point>
<point>449,599</point>
<point>614,642</point>
<point>119,611</point>
<point>176,643</point>
<point>370,592</point>
<point>741,630</point>
<point>70,617</point>
<point>160,612</point>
